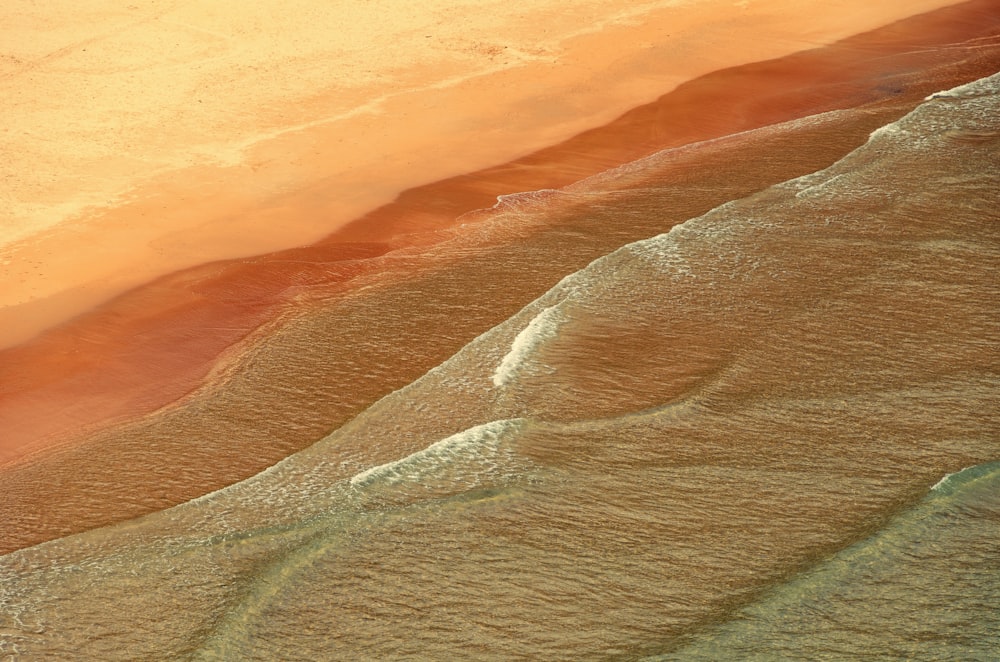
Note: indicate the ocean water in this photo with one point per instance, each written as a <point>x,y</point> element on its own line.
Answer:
<point>925,587</point>
<point>725,441</point>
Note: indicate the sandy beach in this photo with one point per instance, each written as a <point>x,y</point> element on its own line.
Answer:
<point>471,329</point>
<point>156,345</point>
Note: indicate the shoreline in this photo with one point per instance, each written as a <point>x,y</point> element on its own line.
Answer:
<point>463,113</point>
<point>259,285</point>
<point>149,346</point>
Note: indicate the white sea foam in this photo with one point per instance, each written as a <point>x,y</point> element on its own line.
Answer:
<point>543,327</point>
<point>893,130</point>
<point>521,201</point>
<point>917,129</point>
<point>944,481</point>
<point>524,198</point>
<point>972,89</point>
<point>480,443</point>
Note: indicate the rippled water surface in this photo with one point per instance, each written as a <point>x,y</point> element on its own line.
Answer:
<point>714,443</point>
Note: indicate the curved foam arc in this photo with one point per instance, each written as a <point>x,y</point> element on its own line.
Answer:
<point>666,248</point>
<point>946,481</point>
<point>593,183</point>
<point>480,444</point>
<point>962,479</point>
<point>541,328</point>
<point>465,461</point>
<point>920,127</point>
<point>513,201</point>
<point>971,89</point>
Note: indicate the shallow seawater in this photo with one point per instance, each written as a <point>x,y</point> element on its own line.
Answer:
<point>721,442</point>
<point>925,587</point>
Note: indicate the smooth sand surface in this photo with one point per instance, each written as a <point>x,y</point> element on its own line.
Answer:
<point>157,343</point>
<point>154,136</point>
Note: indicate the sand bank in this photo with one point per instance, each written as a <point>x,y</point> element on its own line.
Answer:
<point>158,342</point>
<point>152,137</point>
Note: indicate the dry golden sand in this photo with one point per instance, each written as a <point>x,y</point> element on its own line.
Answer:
<point>148,137</point>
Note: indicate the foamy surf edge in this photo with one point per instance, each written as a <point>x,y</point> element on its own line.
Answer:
<point>487,436</point>
<point>544,326</point>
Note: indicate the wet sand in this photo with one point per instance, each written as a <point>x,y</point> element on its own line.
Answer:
<point>152,343</point>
